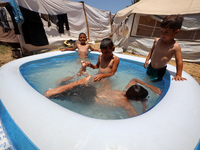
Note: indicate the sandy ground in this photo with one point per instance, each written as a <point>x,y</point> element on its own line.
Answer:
<point>191,68</point>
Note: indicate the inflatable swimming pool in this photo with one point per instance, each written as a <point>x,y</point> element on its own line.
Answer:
<point>172,124</point>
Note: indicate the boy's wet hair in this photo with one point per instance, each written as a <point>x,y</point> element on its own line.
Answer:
<point>107,42</point>
<point>136,92</point>
<point>172,22</point>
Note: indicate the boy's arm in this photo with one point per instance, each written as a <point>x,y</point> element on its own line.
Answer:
<point>69,49</point>
<point>93,49</point>
<point>179,64</point>
<point>144,106</point>
<point>114,69</point>
<point>94,66</point>
<point>146,64</point>
<point>130,111</point>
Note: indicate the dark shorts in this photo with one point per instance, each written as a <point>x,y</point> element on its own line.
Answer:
<point>156,74</point>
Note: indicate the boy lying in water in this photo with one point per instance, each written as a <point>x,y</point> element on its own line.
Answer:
<point>106,96</point>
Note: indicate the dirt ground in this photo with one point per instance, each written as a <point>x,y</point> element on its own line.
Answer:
<point>191,68</point>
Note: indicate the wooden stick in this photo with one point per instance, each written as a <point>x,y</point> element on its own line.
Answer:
<point>86,20</point>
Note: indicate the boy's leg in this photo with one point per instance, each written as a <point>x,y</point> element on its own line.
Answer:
<point>129,109</point>
<point>64,88</point>
<point>82,70</point>
<point>155,74</point>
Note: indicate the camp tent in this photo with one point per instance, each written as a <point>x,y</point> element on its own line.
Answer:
<point>137,25</point>
<point>81,18</point>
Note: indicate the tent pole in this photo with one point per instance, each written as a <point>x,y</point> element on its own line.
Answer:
<point>111,34</point>
<point>86,19</point>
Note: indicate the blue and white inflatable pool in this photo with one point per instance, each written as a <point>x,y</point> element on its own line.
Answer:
<point>174,123</point>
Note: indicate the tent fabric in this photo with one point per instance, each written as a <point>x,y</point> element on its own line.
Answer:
<point>53,7</point>
<point>96,23</point>
<point>98,20</point>
<point>3,20</point>
<point>160,7</point>
<point>142,46</point>
<point>136,26</point>
<point>9,36</point>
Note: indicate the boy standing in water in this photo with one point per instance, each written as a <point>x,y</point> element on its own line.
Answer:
<point>164,48</point>
<point>83,48</point>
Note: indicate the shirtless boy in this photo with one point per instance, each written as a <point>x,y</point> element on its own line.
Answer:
<point>107,62</point>
<point>108,97</point>
<point>133,91</point>
<point>83,48</point>
<point>164,48</point>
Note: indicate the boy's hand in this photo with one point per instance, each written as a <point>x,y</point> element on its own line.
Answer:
<point>155,90</point>
<point>62,49</point>
<point>88,64</point>
<point>146,64</point>
<point>97,78</point>
<point>178,78</point>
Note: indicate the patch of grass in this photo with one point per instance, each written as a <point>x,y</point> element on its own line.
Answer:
<point>4,49</point>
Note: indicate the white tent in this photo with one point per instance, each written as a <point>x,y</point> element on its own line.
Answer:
<point>81,18</point>
<point>137,25</point>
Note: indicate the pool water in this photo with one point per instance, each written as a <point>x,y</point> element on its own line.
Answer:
<point>44,74</point>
